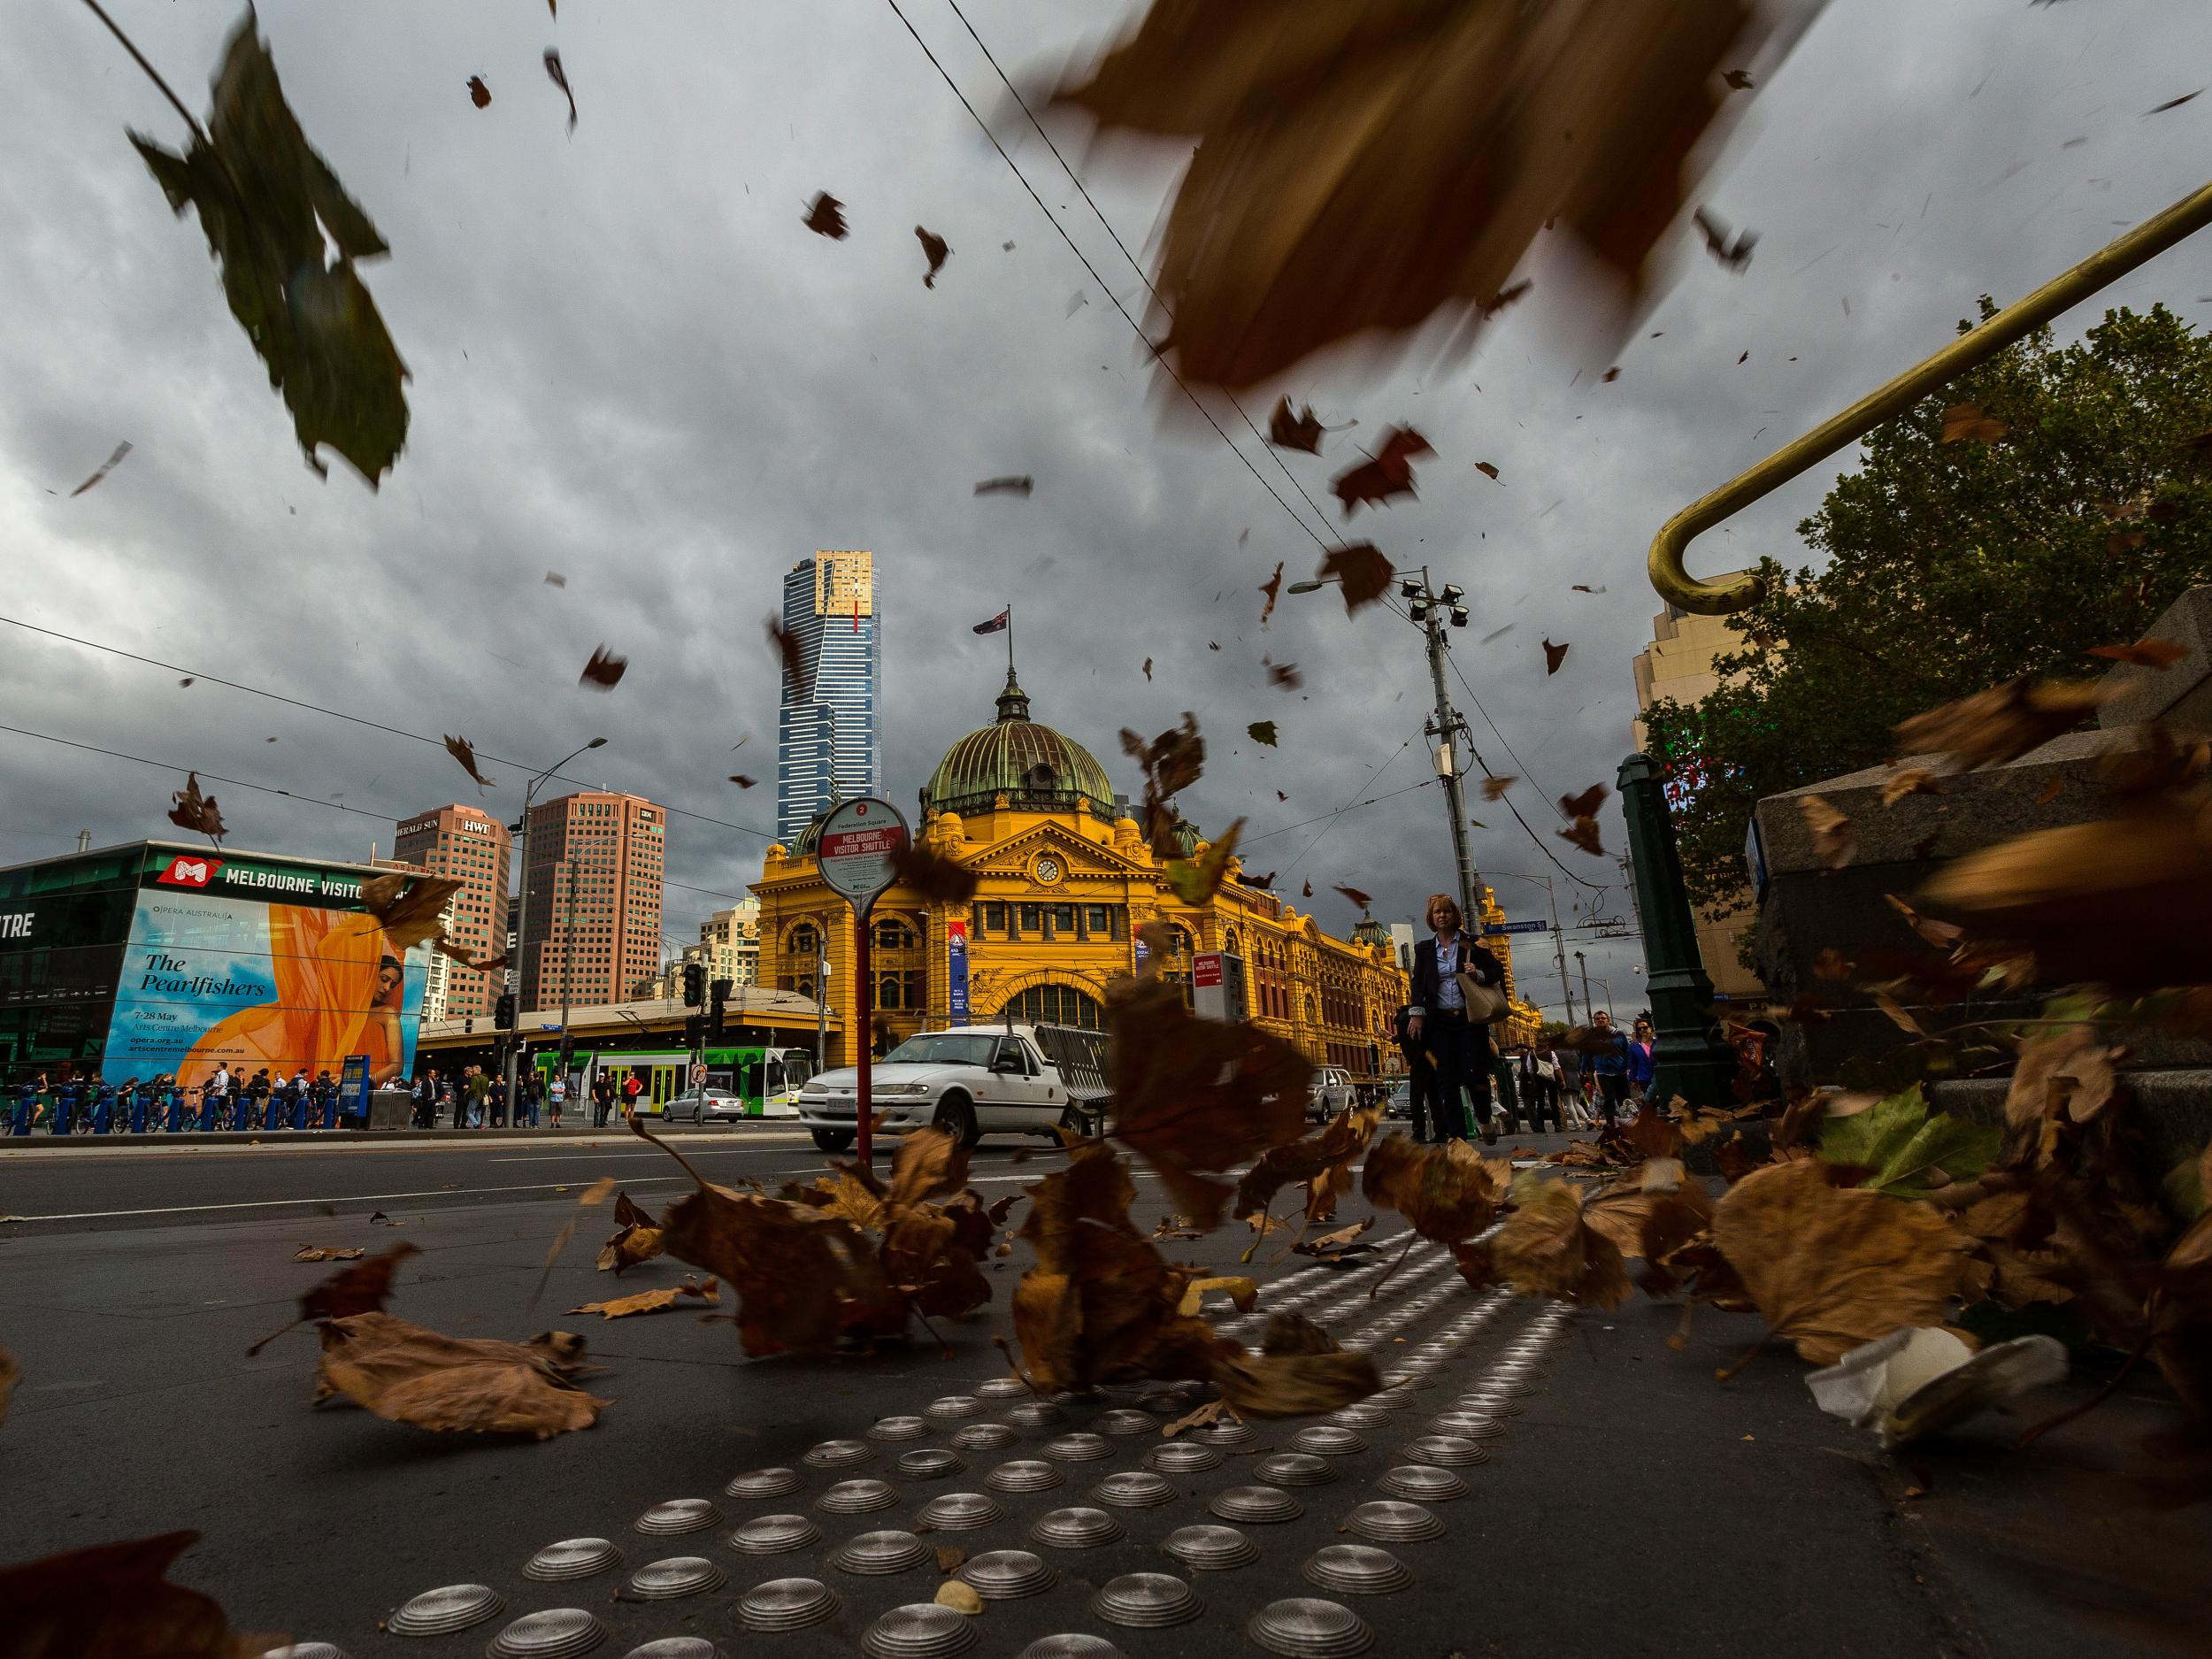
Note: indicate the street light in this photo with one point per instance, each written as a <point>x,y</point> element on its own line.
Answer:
<point>1558,939</point>
<point>522,922</point>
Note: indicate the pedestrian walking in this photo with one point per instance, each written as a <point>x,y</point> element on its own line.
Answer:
<point>557,1097</point>
<point>1457,1038</point>
<point>479,1091</point>
<point>1608,1047</point>
<point>1642,1060</point>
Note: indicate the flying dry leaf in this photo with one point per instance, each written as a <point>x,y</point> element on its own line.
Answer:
<point>1965,423</point>
<point>1733,251</point>
<point>1553,654</point>
<point>933,875</point>
<point>797,682</point>
<point>1289,432</point>
<point>1446,1192</point>
<point>114,1602</point>
<point>1738,79</point>
<point>364,1287</point>
<point>2002,723</point>
<point>1834,1267</point>
<point>1261,732</point>
<point>935,249</point>
<point>1299,1369</point>
<point>802,1276</point>
<point>1323,1160</point>
<point>1361,899</point>
<point>1583,834</point>
<point>1285,675</point>
<point>636,1237</point>
<point>1172,762</point>
<point>1495,788</point>
<point>101,472</point>
<point>1333,1248</point>
<point>328,1253</point>
<point>742,780</point>
<point>464,751</point>
<point>2174,104</point>
<point>408,908</point>
<point>189,810</point>
<point>1361,570</point>
<point>558,76</point>
<point>479,94</point>
<point>1834,841</point>
<point>1503,298</point>
<point>1487,471</point>
<point>652,1300</point>
<point>1243,1293</point>
<point>605,670</point>
<point>1019,484</point>
<point>554,579</point>
<point>406,1373</point>
<point>824,217</point>
<point>1547,1248</point>
<point>1202,1417</point>
<point>929,1164</point>
<point>1271,586</point>
<point>1908,780</point>
<point>2143,653</point>
<point>1195,880</point>
<point>1388,473</point>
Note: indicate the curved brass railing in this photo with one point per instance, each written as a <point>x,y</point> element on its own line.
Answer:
<point>1675,583</point>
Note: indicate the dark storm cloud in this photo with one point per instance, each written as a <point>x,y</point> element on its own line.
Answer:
<point>633,365</point>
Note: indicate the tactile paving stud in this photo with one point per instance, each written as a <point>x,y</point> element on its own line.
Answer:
<point>1024,1474</point>
<point>1255,1504</point>
<point>1474,1426</point>
<point>677,1576</point>
<point>1001,1388</point>
<point>307,1650</point>
<point>1079,1528</point>
<point>786,1604</point>
<point>1132,1489</point>
<point>1207,1548</point>
<point>838,1453</point>
<point>1445,1448</point>
<point>960,1511</point>
<point>1226,1434</point>
<point>571,1558</point>
<point>1182,1457</point>
<point>676,1648</point>
<point>775,1535</point>
<point>679,1515</point>
<point>1409,1379</point>
<point>920,1630</point>
<point>857,1497</point>
<point>880,1554</point>
<point>984,1437</point>
<point>445,1610</point>
<point>765,1483</point>
<point>1077,1448</point>
<point>1391,1521</point>
<point>1147,1601</point>
<point>1488,1404</point>
<point>1423,1483</point>
<point>1328,1440</point>
<point>552,1632</point>
<point>1006,1574</point>
<point>1070,1645</point>
<point>929,1462</point>
<point>1356,1570</point>
<point>1035,1413</point>
<point>946,1407</point>
<point>1306,1627</point>
<point>898,1429</point>
<point>1126,1420</point>
<point>1296,1469</point>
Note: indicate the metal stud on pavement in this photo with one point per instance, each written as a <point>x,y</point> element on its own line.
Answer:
<point>1001,1388</point>
<point>1126,1420</point>
<point>552,1632</point>
<point>445,1610</point>
<point>1133,1489</point>
<point>1255,1505</point>
<point>984,1437</point>
<point>1208,1548</point>
<point>1474,1426</point>
<point>960,1511</point>
<point>1182,1457</point>
<point>920,1630</point>
<point>1227,1433</point>
<point>765,1483</point>
<point>898,1429</point>
<point>787,1604</point>
<point>1296,1469</point>
<point>677,1576</point>
<point>775,1535</point>
<point>857,1497</point>
<point>1445,1448</point>
<point>880,1554</point>
<point>948,1407</point>
<point>1070,1645</point>
<point>1393,1521</point>
<point>1422,1483</point>
<point>1077,1528</point>
<point>676,1648</point>
<point>1365,1414</point>
<point>1035,1413</point>
<point>1147,1601</point>
<point>1328,1439</point>
<point>838,1453</point>
<point>1006,1574</point>
<point>1306,1627</point>
<point>1357,1569</point>
<point>307,1650</point>
<point>1024,1474</point>
<point>1077,1448</point>
<point>929,1462</point>
<point>571,1558</point>
<point>679,1515</point>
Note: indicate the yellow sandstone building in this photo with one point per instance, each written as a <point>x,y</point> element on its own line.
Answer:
<point>1065,882</point>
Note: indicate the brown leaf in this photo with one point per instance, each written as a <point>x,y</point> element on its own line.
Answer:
<point>1831,963</point>
<point>1389,473</point>
<point>1019,484</point>
<point>1732,250</point>
<point>950,1558</point>
<point>1299,1369</point>
<point>605,671</point>
<point>929,1164</point>
<point>1942,935</point>
<point>101,472</point>
<point>1547,1248</point>
<point>479,94</point>
<point>1192,1096</point>
<point>1583,805</point>
<point>1503,298</point>
<point>558,76</point>
<point>1284,675</point>
<point>1445,1193</point>
<point>1486,469</point>
<point>1271,586</point>
<point>938,879</point>
<point>1148,671</point>
<point>1738,79</point>
<point>1495,788</point>
<point>114,1602</point>
<point>1323,1159</point>
<point>2001,723</point>
<point>1908,780</point>
<point>328,1253</point>
<point>406,1373</point>
<point>189,810</point>
<point>636,1239</point>
<point>934,249</point>
<point>1834,1267</point>
<point>1332,1247</point>
<point>1583,833</point>
<point>1965,423</point>
<point>1195,880</point>
<point>797,682</point>
<point>2143,653</point>
<point>650,1300</point>
<point>1286,430</point>
<point>1833,840</point>
<point>1361,899</point>
<point>11,1374</point>
<point>1172,762</point>
<point>408,907</point>
<point>741,780</point>
<point>464,751</point>
<point>1553,654</point>
<point>364,1287</point>
<point>1243,1293</point>
<point>802,1276</point>
<point>1361,572</point>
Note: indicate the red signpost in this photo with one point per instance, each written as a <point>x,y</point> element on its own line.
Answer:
<point>856,851</point>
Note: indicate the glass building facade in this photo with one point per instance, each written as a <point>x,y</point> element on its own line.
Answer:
<point>826,745</point>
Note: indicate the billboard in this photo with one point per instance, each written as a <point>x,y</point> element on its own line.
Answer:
<point>214,973</point>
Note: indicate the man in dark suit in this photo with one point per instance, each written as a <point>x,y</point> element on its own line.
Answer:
<point>1437,1017</point>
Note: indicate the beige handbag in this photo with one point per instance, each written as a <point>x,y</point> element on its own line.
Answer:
<point>1485,1003</point>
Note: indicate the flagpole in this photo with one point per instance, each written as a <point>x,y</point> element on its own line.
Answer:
<point>1010,642</point>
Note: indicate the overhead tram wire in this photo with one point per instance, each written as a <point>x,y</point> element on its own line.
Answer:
<point>1135,327</point>
<point>1347,807</point>
<point>1107,225</point>
<point>235,783</point>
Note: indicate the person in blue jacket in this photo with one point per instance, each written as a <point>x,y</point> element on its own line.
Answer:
<point>1642,1064</point>
<point>27,1096</point>
<point>1608,1049</point>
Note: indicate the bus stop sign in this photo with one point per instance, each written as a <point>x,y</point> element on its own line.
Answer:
<point>856,849</point>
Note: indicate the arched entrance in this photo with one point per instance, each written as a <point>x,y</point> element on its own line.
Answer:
<point>1055,1005</point>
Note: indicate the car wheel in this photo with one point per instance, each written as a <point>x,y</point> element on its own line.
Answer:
<point>955,1115</point>
<point>832,1140</point>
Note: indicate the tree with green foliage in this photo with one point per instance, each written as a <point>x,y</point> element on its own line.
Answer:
<point>2078,511</point>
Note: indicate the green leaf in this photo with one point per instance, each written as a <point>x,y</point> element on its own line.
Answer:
<point>1261,732</point>
<point>1901,1141</point>
<point>265,201</point>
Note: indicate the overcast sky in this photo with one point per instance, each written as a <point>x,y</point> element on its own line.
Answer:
<point>633,365</point>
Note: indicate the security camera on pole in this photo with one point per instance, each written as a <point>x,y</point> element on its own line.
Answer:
<point>859,843</point>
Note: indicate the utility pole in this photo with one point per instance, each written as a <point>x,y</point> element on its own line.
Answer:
<point>1582,962</point>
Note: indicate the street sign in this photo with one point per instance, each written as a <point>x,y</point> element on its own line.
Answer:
<point>1205,970</point>
<point>858,841</point>
<point>1491,930</point>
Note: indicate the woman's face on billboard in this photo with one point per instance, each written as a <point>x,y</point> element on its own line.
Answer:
<point>386,984</point>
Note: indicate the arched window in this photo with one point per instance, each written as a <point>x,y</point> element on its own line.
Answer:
<point>1177,942</point>
<point>895,932</point>
<point>1229,942</point>
<point>887,991</point>
<point>805,984</point>
<point>804,940</point>
<point>1055,1005</point>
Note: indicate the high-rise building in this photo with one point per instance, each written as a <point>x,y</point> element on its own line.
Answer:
<point>826,728</point>
<point>591,898</point>
<point>728,949</point>
<point>469,846</point>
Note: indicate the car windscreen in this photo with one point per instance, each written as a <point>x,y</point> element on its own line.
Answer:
<point>944,1048</point>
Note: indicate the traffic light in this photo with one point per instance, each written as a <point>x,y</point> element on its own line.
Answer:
<point>719,993</point>
<point>692,1031</point>
<point>695,984</point>
<point>504,1014</point>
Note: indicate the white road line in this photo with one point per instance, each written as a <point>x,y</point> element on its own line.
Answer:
<point>350,1198</point>
<point>606,1157</point>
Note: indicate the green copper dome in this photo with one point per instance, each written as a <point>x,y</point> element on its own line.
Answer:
<point>1031,766</point>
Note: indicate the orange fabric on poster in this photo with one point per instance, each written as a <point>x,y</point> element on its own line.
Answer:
<point>326,964</point>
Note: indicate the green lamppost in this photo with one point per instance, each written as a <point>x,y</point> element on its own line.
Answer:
<point>1693,1060</point>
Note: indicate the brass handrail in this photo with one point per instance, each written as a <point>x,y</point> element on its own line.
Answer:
<point>1718,597</point>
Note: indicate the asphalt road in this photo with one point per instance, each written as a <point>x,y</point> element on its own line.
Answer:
<point>1634,1506</point>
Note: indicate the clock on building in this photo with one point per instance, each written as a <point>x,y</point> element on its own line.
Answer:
<point>1048,870</point>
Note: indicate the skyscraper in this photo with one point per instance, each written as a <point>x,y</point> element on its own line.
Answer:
<point>592,898</point>
<point>826,729</point>
<point>469,846</point>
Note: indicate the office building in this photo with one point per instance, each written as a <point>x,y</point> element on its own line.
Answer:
<point>467,845</point>
<point>826,728</point>
<point>591,898</point>
<point>728,949</point>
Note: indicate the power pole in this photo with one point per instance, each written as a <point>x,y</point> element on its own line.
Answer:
<point>1430,610</point>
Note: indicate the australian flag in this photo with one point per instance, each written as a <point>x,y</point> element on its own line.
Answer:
<point>997,623</point>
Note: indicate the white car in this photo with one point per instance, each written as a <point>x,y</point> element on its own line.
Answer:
<point>1331,1094</point>
<point>974,1081</point>
<point>703,1106</point>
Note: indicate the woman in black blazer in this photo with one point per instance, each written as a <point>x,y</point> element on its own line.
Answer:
<point>1437,1017</point>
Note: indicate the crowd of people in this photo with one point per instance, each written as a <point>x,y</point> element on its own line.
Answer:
<point>473,1098</point>
<point>88,1104</point>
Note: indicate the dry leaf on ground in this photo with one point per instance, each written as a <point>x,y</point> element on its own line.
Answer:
<point>408,1374</point>
<point>1322,1160</point>
<point>1199,1417</point>
<point>1298,1369</point>
<point>960,1596</point>
<point>1333,1248</point>
<point>362,1288</point>
<point>1548,1247</point>
<point>1445,1193</point>
<point>652,1300</point>
<point>636,1239</point>
<point>1243,1292</point>
<point>329,1252</point>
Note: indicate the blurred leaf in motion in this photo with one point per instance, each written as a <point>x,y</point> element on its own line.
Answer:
<point>558,76</point>
<point>408,908</point>
<point>1388,473</point>
<point>464,751</point>
<point>189,810</point>
<point>407,1373</point>
<point>1195,880</point>
<point>936,250</point>
<point>933,875</point>
<point>479,94</point>
<point>113,1602</point>
<point>1287,431</point>
<point>1362,572</point>
<point>825,216</point>
<point>103,469</point>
